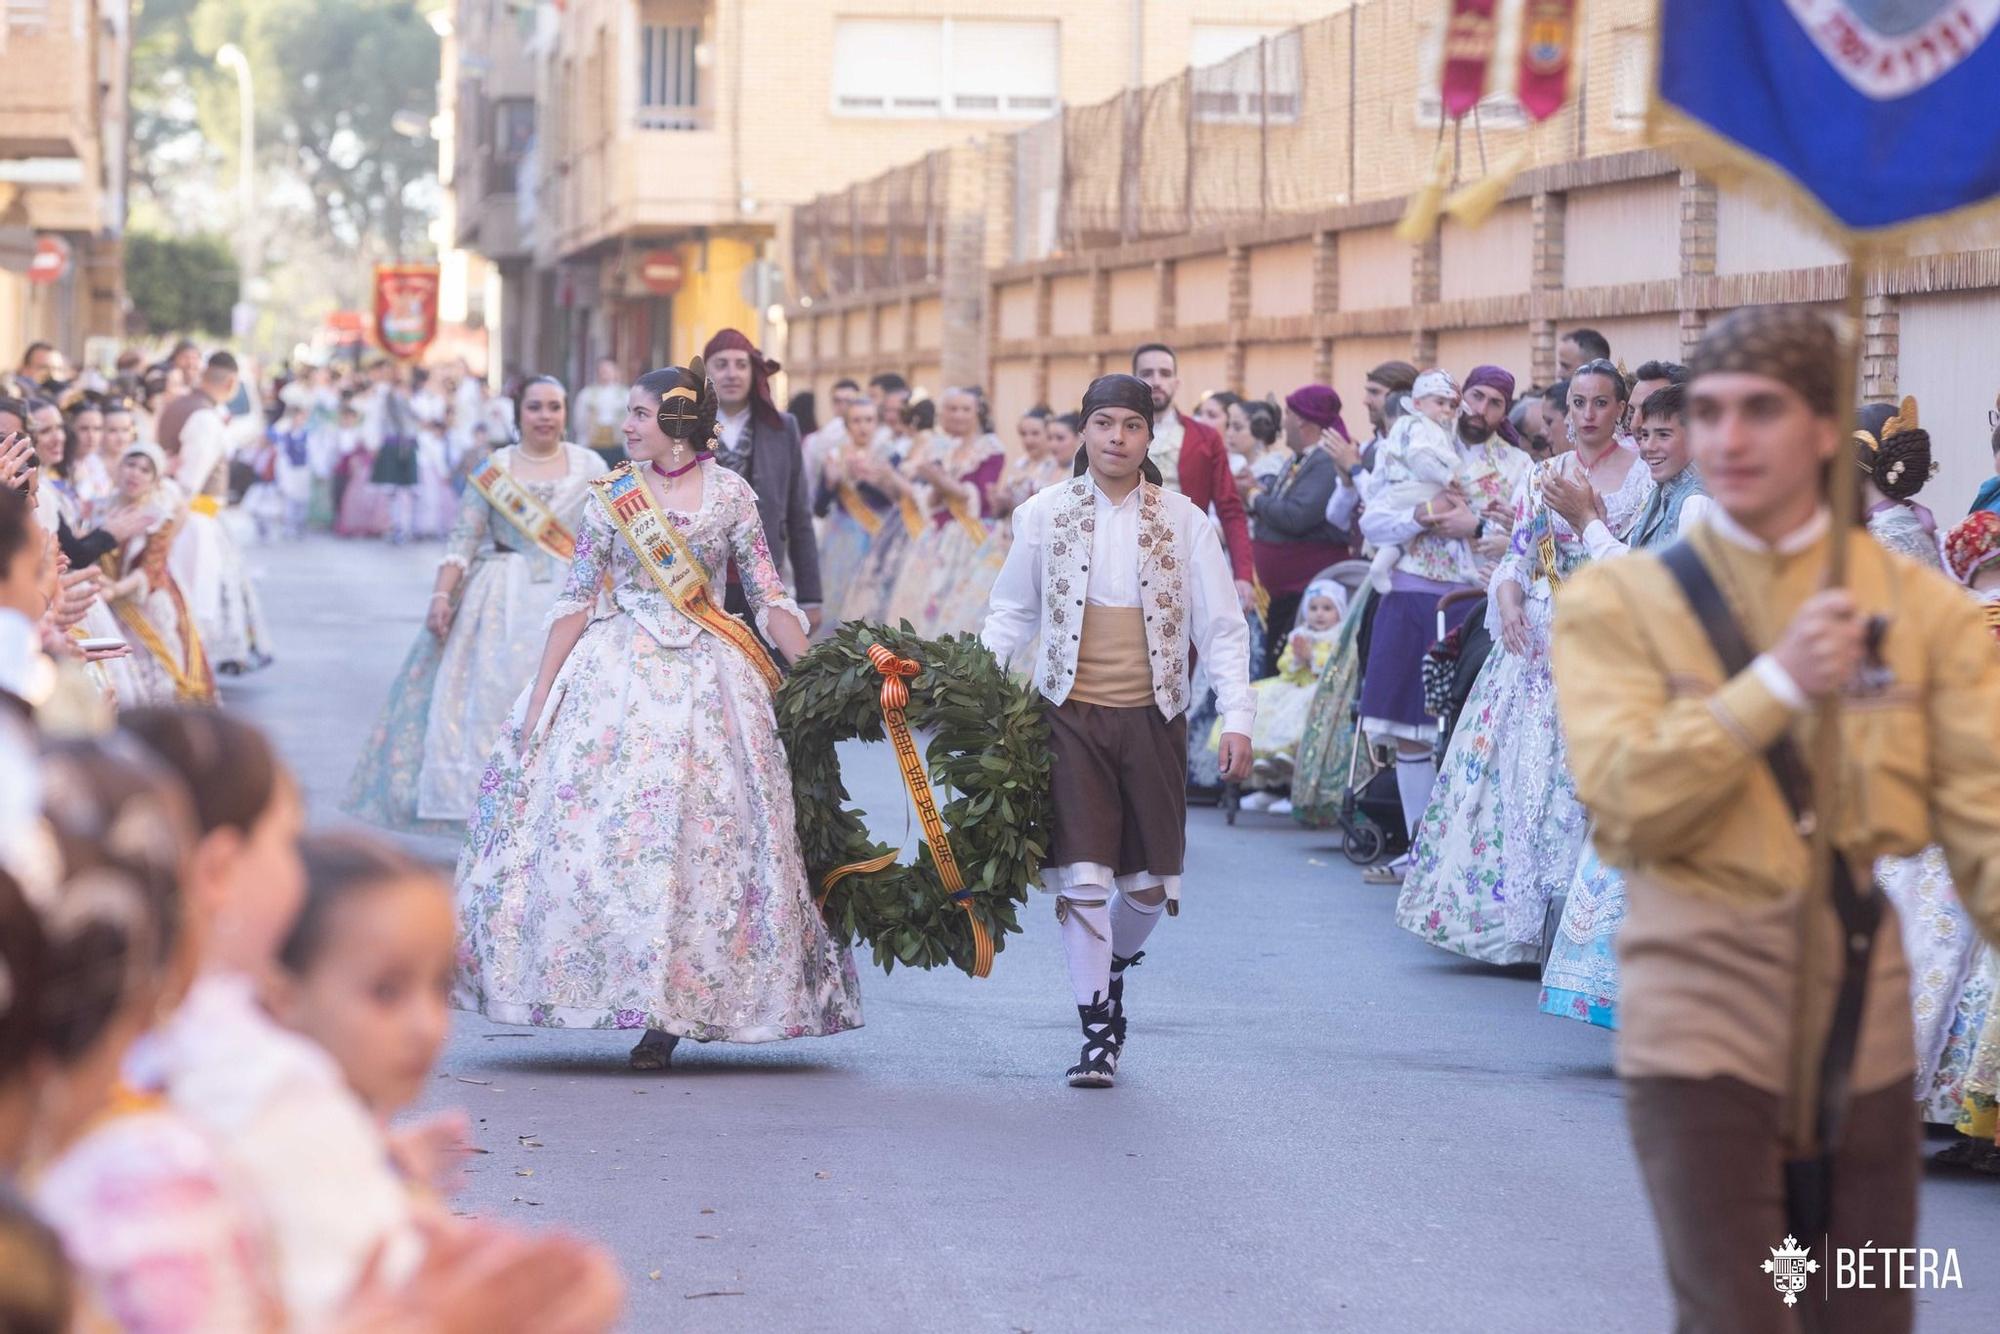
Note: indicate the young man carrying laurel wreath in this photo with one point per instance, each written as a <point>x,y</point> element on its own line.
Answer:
<point>1120,577</point>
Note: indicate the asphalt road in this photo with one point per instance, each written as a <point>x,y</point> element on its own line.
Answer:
<point>1321,1123</point>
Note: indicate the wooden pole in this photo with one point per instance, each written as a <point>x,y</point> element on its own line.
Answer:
<point>1811,1012</point>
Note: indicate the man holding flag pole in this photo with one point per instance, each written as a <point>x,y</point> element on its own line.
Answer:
<point>1758,714</point>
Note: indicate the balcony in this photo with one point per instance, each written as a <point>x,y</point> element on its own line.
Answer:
<point>48,101</point>
<point>649,181</point>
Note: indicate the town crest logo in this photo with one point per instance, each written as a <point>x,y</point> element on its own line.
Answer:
<point>1892,48</point>
<point>1790,1266</point>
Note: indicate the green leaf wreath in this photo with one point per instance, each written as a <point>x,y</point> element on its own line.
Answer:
<point>988,758</point>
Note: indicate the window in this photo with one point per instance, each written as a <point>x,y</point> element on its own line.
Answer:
<point>1632,53</point>
<point>513,131</point>
<point>1497,111</point>
<point>1246,75</point>
<point>669,76</point>
<point>945,67</point>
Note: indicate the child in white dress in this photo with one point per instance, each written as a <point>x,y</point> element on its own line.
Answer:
<point>1416,461</point>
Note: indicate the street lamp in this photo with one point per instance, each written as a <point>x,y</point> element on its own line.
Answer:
<point>248,260</point>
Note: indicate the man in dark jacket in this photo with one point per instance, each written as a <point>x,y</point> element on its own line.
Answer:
<point>1290,535</point>
<point>761,444</point>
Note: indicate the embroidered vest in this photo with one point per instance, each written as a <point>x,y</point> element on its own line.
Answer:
<point>1659,524</point>
<point>1162,594</point>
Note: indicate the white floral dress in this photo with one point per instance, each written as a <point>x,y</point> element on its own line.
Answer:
<point>1504,829</point>
<point>421,768</point>
<point>640,867</point>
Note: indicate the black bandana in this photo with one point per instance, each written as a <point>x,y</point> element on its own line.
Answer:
<point>1118,391</point>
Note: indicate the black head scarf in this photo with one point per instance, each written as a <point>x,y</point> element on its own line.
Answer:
<point>1118,391</point>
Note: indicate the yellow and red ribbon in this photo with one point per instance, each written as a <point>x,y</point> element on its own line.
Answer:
<point>896,673</point>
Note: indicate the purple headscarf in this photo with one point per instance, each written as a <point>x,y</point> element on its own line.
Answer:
<point>1496,377</point>
<point>1319,405</point>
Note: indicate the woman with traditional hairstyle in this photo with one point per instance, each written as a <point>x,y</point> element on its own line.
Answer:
<point>905,436</point>
<point>1503,830</point>
<point>504,565</point>
<point>1971,1056</point>
<point>161,1233</point>
<point>1580,977</point>
<point>856,512</point>
<point>952,563</point>
<point>35,1282</point>
<point>169,663</point>
<point>1894,455</point>
<point>1949,988</point>
<point>632,862</point>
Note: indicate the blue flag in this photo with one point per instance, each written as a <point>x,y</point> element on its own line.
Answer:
<point>1883,111</point>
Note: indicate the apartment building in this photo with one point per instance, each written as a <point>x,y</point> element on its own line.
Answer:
<point>63,112</point>
<point>624,163</point>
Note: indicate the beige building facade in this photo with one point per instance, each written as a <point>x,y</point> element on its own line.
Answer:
<point>63,132</point>
<point>1246,214</point>
<point>624,165</point>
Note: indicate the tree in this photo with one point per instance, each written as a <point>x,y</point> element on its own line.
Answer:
<point>330,78</point>
<point>180,284</point>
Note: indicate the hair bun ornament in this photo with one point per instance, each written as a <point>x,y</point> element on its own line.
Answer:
<point>1904,420</point>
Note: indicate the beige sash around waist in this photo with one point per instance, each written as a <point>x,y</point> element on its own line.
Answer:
<point>1112,667</point>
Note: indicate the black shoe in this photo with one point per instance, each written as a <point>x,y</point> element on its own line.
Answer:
<point>1117,999</point>
<point>654,1052</point>
<point>1097,1066</point>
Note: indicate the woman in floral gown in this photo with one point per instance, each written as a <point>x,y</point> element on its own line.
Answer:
<point>856,513</point>
<point>169,663</point>
<point>950,569</point>
<point>1951,986</point>
<point>1580,979</point>
<point>484,630</point>
<point>632,861</point>
<point>1503,830</point>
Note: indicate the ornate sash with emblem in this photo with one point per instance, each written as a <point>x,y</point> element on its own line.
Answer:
<point>518,506</point>
<point>667,558</point>
<point>193,684</point>
<point>857,509</point>
<point>973,525</point>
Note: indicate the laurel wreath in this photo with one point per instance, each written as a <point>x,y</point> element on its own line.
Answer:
<point>988,760</point>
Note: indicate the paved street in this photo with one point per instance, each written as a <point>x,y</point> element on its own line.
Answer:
<point>1321,1122</point>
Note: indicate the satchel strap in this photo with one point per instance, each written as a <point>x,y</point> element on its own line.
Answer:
<point>1725,636</point>
<point>1807,1186</point>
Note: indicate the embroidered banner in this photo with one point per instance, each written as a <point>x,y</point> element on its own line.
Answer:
<point>1879,113</point>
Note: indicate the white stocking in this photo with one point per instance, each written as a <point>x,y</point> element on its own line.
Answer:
<point>1086,937</point>
<point>1415,777</point>
<point>1131,922</point>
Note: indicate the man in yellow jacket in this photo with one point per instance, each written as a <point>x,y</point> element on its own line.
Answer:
<point>1672,755</point>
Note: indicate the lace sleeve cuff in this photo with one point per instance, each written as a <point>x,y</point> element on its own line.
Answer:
<point>455,559</point>
<point>568,607</point>
<point>788,606</point>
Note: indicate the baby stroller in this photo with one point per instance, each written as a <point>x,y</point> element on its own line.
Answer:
<point>1350,575</point>
<point>1371,812</point>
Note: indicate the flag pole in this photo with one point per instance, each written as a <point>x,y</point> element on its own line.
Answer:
<point>1811,1011</point>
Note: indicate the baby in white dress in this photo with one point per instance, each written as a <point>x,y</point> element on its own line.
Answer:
<point>1416,461</point>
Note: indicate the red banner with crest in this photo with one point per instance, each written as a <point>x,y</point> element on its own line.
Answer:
<point>1548,55</point>
<point>406,308</point>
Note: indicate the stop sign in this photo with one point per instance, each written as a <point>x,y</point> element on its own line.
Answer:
<point>51,260</point>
